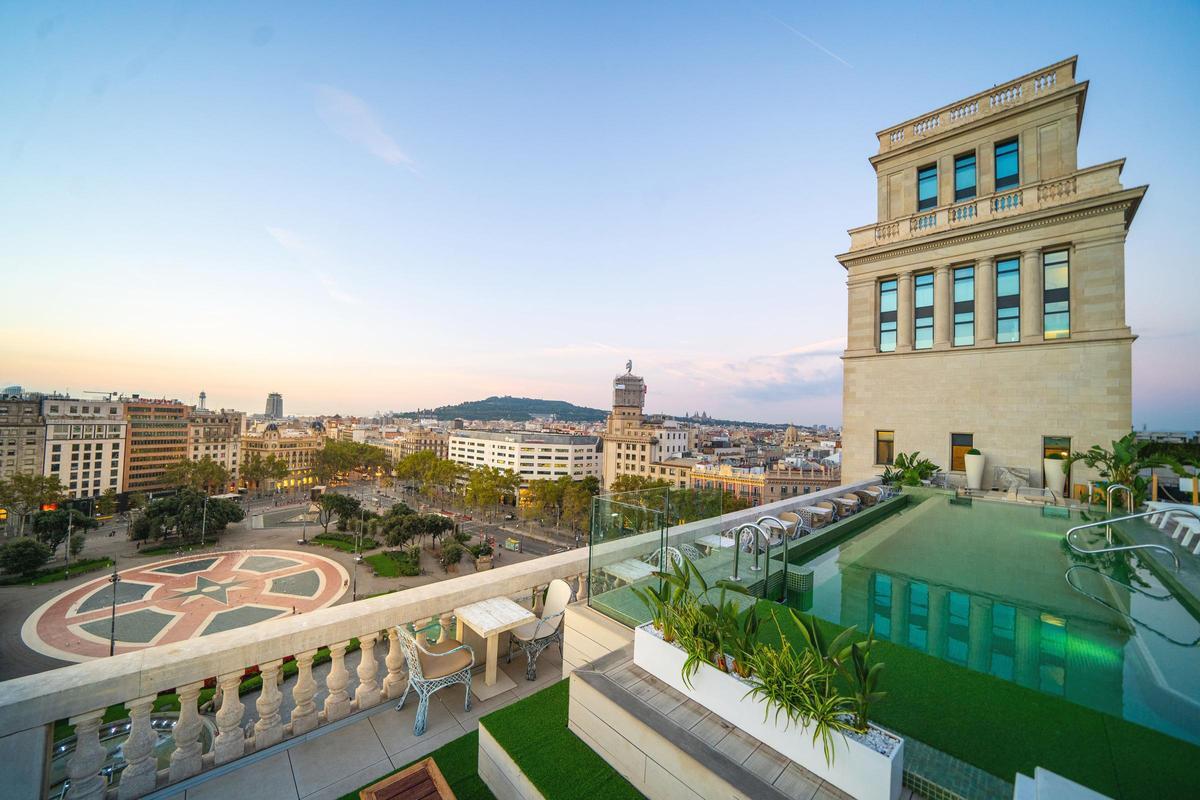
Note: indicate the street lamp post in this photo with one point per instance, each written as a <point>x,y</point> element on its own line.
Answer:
<point>70,520</point>
<point>114,579</point>
<point>204,519</point>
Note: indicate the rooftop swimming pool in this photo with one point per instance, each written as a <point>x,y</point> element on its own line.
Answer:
<point>993,587</point>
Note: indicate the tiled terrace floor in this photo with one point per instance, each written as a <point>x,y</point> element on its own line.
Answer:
<point>375,744</point>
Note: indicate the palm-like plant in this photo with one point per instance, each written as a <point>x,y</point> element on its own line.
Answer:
<point>909,469</point>
<point>1125,462</point>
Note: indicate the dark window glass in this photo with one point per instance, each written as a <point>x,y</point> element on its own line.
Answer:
<point>1008,300</point>
<point>885,446</point>
<point>927,187</point>
<point>964,306</point>
<point>882,618</point>
<point>960,443</point>
<point>964,177</point>
<point>887,316</point>
<point>1057,299</point>
<point>1007,166</point>
<point>923,312</point>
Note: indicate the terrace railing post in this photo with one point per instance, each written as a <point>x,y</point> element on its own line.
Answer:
<point>367,694</point>
<point>304,713</point>
<point>269,728</point>
<point>185,761</point>
<point>337,702</point>
<point>141,771</point>
<point>393,684</point>
<point>84,767</point>
<point>230,743</point>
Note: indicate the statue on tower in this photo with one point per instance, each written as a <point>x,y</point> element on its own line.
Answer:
<point>629,367</point>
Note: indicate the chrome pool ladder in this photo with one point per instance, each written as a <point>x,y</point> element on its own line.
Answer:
<point>1150,595</point>
<point>1116,549</point>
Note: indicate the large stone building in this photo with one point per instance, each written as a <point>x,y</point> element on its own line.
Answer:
<point>533,456</point>
<point>297,447</point>
<point>417,440</point>
<point>22,435</point>
<point>217,435</point>
<point>632,441</point>
<point>156,438</point>
<point>85,444</point>
<point>987,304</point>
<point>759,484</point>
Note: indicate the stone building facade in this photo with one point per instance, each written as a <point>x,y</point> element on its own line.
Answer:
<point>217,435</point>
<point>156,438</point>
<point>634,442</point>
<point>85,444</point>
<point>297,447</point>
<point>987,303</point>
<point>22,435</point>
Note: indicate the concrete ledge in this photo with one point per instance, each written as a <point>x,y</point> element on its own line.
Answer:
<point>589,635</point>
<point>501,773</point>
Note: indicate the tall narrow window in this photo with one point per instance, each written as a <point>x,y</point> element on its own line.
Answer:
<point>1008,170</point>
<point>887,316</point>
<point>885,447</point>
<point>964,177</point>
<point>1008,300</point>
<point>960,443</point>
<point>1056,322</point>
<point>964,306</point>
<point>927,187</point>
<point>923,312</point>
<point>1056,445</point>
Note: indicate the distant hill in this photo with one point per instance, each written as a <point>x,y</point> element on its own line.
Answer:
<point>517,409</point>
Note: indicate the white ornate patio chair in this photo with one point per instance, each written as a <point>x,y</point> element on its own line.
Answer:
<point>432,668</point>
<point>534,637</point>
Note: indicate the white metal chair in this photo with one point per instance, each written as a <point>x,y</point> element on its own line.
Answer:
<point>534,637</point>
<point>433,668</point>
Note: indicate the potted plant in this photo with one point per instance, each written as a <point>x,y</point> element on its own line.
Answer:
<point>482,553</point>
<point>1125,462</point>
<point>1055,467</point>
<point>452,553</point>
<point>975,462</point>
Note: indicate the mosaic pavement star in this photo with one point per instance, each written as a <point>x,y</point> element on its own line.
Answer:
<point>206,587</point>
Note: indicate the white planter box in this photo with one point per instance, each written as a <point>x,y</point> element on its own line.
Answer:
<point>856,769</point>
<point>1056,479</point>
<point>974,465</point>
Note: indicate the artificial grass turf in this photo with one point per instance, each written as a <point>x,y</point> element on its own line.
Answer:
<point>458,762</point>
<point>534,733</point>
<point>1003,728</point>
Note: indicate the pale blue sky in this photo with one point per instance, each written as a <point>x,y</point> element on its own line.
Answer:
<point>372,206</point>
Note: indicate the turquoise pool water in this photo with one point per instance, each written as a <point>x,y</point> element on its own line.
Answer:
<point>986,586</point>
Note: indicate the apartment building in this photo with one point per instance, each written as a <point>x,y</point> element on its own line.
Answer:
<point>85,444</point>
<point>675,471</point>
<point>987,303</point>
<point>760,484</point>
<point>297,447</point>
<point>633,441</point>
<point>156,437</point>
<point>418,440</point>
<point>22,436</point>
<point>217,435</point>
<point>534,456</point>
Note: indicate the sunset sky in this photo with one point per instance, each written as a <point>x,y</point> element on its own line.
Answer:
<point>378,206</point>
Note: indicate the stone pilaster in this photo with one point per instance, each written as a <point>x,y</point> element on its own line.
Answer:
<point>943,308</point>
<point>1031,296</point>
<point>985,301</point>
<point>904,312</point>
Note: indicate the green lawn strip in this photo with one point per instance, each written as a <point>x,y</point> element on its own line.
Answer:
<point>58,574</point>
<point>169,701</point>
<point>534,733</point>
<point>1003,728</point>
<point>458,762</point>
<point>392,564</point>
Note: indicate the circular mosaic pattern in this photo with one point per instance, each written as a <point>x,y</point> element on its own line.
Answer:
<point>183,598</point>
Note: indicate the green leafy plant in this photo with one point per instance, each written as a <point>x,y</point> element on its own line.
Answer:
<point>974,451</point>
<point>849,659</point>
<point>743,639</point>
<point>910,469</point>
<point>1125,461</point>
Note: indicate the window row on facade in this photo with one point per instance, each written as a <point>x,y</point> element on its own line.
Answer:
<point>960,445</point>
<point>1006,155</point>
<point>1006,322</point>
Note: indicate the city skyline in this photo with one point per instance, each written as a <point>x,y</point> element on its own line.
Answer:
<point>417,207</point>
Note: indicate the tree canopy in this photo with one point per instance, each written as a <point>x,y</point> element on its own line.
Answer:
<point>183,514</point>
<point>204,475</point>
<point>23,556</point>
<point>338,457</point>
<point>332,505</point>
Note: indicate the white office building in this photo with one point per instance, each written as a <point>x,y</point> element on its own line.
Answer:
<point>85,444</point>
<point>534,456</point>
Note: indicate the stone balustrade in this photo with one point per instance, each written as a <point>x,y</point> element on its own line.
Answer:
<point>1090,182</point>
<point>81,693</point>
<point>1027,88</point>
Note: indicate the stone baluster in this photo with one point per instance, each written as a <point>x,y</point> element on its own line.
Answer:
<point>230,743</point>
<point>304,714</point>
<point>185,761</point>
<point>581,581</point>
<point>444,622</point>
<point>367,693</point>
<point>393,684</point>
<point>141,771</point>
<point>269,728</point>
<point>83,769</point>
<point>337,702</point>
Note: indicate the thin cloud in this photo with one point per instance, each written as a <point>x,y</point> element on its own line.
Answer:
<point>291,241</point>
<point>306,251</point>
<point>810,40</point>
<point>350,117</point>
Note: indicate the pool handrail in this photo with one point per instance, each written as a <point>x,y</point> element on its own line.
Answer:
<point>737,545</point>
<point>783,530</point>
<point>1147,546</point>
<point>1067,576</point>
